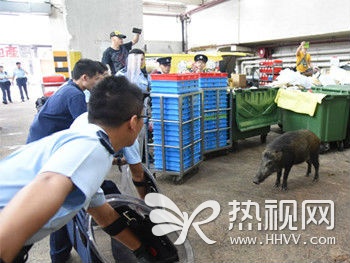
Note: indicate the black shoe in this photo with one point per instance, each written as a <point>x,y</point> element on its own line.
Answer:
<point>150,158</point>
<point>5,102</point>
<point>22,100</point>
<point>10,101</point>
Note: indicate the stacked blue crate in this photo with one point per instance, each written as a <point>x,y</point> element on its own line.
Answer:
<point>191,155</point>
<point>215,139</point>
<point>172,109</point>
<point>176,117</point>
<point>212,80</point>
<point>216,110</point>
<point>174,83</point>
<point>173,133</point>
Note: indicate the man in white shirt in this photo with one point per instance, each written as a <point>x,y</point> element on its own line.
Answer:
<point>45,183</point>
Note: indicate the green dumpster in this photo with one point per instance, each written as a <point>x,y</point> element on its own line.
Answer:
<point>343,89</point>
<point>329,121</point>
<point>253,111</point>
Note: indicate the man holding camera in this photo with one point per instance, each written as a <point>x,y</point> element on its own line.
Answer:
<point>303,60</point>
<point>116,55</point>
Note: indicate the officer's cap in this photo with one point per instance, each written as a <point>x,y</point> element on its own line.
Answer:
<point>164,61</point>
<point>202,57</point>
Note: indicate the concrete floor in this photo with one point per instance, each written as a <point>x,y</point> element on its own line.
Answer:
<point>228,178</point>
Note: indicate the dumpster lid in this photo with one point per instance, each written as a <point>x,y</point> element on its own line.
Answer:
<point>299,101</point>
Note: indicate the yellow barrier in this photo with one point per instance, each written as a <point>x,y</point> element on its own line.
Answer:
<point>181,62</point>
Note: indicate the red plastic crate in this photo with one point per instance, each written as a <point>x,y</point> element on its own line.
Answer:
<point>277,70</point>
<point>212,75</point>
<point>270,63</point>
<point>278,61</point>
<point>174,76</point>
<point>51,84</point>
<point>54,80</point>
<point>267,63</point>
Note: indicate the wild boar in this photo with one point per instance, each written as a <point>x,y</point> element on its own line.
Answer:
<point>286,150</point>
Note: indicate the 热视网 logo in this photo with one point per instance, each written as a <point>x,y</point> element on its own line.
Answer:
<point>168,222</point>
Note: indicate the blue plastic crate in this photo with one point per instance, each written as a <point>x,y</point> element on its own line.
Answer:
<point>209,145</point>
<point>191,156</point>
<point>175,116</point>
<point>209,93</point>
<point>172,102</point>
<point>223,123</point>
<point>157,125</point>
<point>175,141</point>
<point>210,106</point>
<point>215,139</point>
<point>175,165</point>
<point>213,97</point>
<point>171,106</point>
<point>213,124</point>
<point>172,138</point>
<point>191,131</point>
<point>174,87</point>
<point>223,114</point>
<point>209,125</point>
<point>173,83</point>
<point>224,104</point>
<point>212,82</point>
<point>209,115</point>
<point>157,110</point>
<point>173,154</point>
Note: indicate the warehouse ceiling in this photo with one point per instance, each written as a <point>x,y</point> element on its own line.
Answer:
<point>150,7</point>
<point>176,7</point>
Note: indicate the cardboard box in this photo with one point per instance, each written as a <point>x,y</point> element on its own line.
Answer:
<point>239,80</point>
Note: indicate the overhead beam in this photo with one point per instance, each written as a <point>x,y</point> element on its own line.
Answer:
<point>184,2</point>
<point>163,9</point>
<point>9,7</point>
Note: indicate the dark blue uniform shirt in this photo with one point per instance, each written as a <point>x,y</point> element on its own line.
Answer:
<point>58,112</point>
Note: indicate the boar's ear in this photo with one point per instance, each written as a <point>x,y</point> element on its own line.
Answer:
<point>265,154</point>
<point>272,155</point>
<point>278,155</point>
<point>268,155</point>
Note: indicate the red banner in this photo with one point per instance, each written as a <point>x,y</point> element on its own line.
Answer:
<point>9,51</point>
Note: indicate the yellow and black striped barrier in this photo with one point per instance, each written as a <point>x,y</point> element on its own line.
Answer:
<point>64,61</point>
<point>60,59</point>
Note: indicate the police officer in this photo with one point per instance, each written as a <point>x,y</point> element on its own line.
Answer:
<point>20,75</point>
<point>164,65</point>
<point>5,86</point>
<point>200,62</point>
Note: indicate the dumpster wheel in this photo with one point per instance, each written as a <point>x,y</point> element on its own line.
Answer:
<point>340,146</point>
<point>178,179</point>
<point>263,138</point>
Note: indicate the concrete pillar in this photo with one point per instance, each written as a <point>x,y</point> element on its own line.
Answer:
<point>85,25</point>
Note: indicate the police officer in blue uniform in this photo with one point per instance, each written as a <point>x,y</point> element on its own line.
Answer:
<point>164,65</point>
<point>200,62</point>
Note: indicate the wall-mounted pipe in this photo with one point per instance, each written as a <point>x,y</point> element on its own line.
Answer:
<point>205,6</point>
<point>319,58</point>
<point>289,62</point>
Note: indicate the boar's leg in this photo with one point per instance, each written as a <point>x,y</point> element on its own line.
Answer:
<point>308,172</point>
<point>315,162</point>
<point>285,177</point>
<point>278,179</point>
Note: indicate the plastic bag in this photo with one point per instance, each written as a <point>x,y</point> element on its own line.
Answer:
<point>291,78</point>
<point>134,67</point>
<point>125,183</point>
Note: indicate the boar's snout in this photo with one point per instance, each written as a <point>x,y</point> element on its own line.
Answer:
<point>256,180</point>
